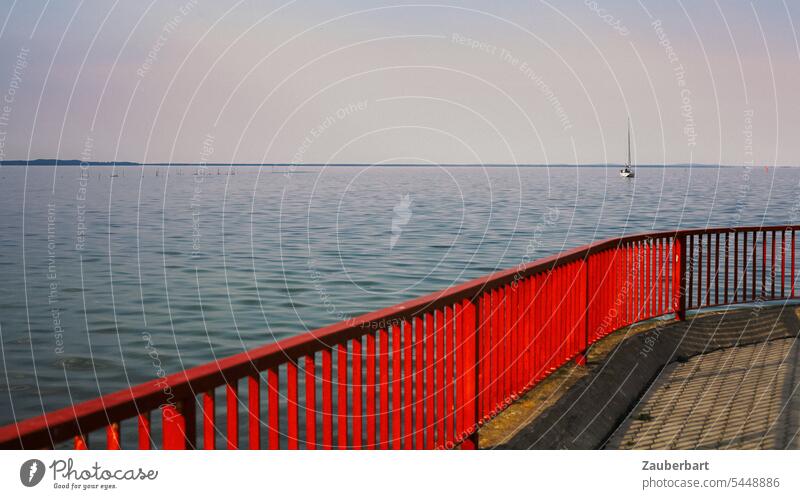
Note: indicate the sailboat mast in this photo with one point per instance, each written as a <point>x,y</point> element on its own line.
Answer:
<point>629,142</point>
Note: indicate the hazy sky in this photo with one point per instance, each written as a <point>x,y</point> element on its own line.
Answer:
<point>401,81</point>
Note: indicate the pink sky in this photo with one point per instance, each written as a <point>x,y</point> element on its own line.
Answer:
<point>357,81</point>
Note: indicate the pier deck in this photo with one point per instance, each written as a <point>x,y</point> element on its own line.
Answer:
<point>729,380</point>
<point>735,398</point>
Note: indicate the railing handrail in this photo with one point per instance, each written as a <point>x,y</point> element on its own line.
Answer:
<point>91,415</point>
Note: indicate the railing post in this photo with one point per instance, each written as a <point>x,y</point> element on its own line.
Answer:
<point>80,442</point>
<point>173,428</point>
<point>584,354</point>
<point>679,276</point>
<point>471,379</point>
<point>178,425</point>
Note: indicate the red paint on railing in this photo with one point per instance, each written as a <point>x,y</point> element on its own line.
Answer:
<point>254,411</point>
<point>209,432</point>
<point>439,366</point>
<point>144,431</point>
<point>232,417</point>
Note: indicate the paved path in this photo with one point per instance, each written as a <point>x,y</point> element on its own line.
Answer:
<point>745,397</point>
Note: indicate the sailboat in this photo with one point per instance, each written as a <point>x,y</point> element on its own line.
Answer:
<point>628,172</point>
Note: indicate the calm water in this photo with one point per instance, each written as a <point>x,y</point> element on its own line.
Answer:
<point>98,282</point>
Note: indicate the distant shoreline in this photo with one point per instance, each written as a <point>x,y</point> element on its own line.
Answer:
<point>75,162</point>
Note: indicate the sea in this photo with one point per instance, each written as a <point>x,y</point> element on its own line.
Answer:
<point>111,276</point>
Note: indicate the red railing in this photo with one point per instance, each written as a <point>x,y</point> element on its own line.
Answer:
<point>428,372</point>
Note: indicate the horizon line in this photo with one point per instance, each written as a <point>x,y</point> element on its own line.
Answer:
<point>77,162</point>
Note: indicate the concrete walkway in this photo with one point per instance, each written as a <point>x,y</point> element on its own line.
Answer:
<point>723,379</point>
<point>745,397</point>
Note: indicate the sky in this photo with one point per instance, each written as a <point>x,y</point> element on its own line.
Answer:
<point>357,81</point>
